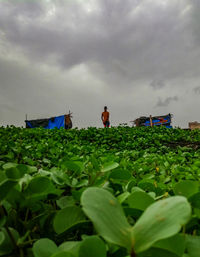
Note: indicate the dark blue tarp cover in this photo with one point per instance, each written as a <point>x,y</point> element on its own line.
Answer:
<point>59,122</point>
<point>166,120</point>
<point>55,122</point>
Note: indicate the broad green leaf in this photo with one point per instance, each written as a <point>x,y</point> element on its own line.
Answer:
<point>24,168</point>
<point>1,237</point>
<point>2,221</point>
<point>160,220</point>
<point>147,185</point>
<point>9,165</point>
<point>156,252</point>
<point>38,185</point>
<point>193,246</point>
<point>6,245</point>
<point>15,173</point>
<point>67,218</point>
<point>3,176</point>
<point>71,247</point>
<point>44,248</point>
<point>62,254</point>
<point>95,163</point>
<point>65,201</point>
<point>121,198</point>
<point>139,200</point>
<point>92,246</point>
<point>186,188</point>
<point>120,174</point>
<point>39,188</point>
<point>73,166</point>
<point>109,166</point>
<point>107,215</point>
<point>136,189</point>
<point>5,188</point>
<point>175,244</point>
<point>195,200</point>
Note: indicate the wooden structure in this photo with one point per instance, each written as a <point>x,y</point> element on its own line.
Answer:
<point>164,120</point>
<point>194,125</point>
<point>63,121</point>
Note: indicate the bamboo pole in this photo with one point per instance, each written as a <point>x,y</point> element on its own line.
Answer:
<point>151,123</point>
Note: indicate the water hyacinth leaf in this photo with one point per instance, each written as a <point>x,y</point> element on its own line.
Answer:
<point>195,200</point>
<point>156,252</point>
<point>121,198</point>
<point>6,245</point>
<point>160,220</point>
<point>120,174</point>
<point>107,216</point>
<point>44,248</point>
<point>139,200</point>
<point>2,176</point>
<point>147,185</point>
<point>9,165</point>
<point>109,166</point>
<point>74,166</point>
<point>62,254</point>
<point>39,188</point>
<point>131,184</point>
<point>71,247</point>
<point>174,244</point>
<point>23,168</point>
<point>186,188</point>
<point>1,237</point>
<point>193,246</point>
<point>15,173</point>
<point>65,201</point>
<point>2,221</point>
<point>5,188</point>
<point>67,218</point>
<point>38,185</point>
<point>92,246</point>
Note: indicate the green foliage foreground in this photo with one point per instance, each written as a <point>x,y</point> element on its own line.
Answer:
<point>115,192</point>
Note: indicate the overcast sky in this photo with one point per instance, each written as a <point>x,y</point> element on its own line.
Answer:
<point>138,57</point>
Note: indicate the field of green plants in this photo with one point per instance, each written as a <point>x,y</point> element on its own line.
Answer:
<point>118,192</point>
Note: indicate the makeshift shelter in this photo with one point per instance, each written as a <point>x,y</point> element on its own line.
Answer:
<point>63,121</point>
<point>194,125</point>
<point>164,120</point>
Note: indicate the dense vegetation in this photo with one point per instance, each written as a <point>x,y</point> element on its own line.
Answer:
<point>114,192</point>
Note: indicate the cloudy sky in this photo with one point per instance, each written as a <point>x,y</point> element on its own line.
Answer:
<point>138,57</point>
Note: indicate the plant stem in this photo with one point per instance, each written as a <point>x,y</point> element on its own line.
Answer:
<point>95,178</point>
<point>26,216</point>
<point>11,237</point>
<point>133,253</point>
<point>3,213</point>
<point>21,252</point>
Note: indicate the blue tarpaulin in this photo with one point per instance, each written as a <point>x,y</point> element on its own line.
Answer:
<point>58,122</point>
<point>54,122</point>
<point>166,120</point>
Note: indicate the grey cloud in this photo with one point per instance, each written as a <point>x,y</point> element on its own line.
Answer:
<point>166,101</point>
<point>197,90</point>
<point>127,40</point>
<point>127,48</point>
<point>157,83</point>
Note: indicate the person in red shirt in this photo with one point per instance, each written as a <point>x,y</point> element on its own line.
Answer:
<point>105,117</point>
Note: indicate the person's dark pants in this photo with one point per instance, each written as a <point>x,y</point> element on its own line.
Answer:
<point>106,124</point>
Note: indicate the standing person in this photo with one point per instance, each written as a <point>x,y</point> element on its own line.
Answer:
<point>105,117</point>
